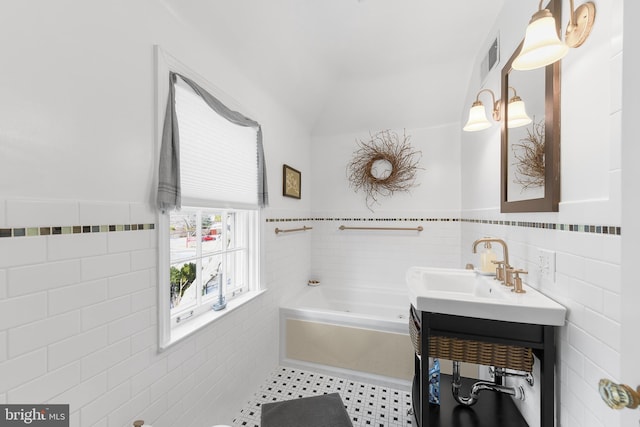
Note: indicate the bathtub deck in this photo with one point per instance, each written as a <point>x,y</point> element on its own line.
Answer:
<point>367,404</point>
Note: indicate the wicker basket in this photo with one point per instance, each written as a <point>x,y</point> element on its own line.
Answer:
<point>414,332</point>
<point>470,351</point>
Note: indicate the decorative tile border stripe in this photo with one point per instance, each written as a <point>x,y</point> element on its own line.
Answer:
<point>365,219</point>
<point>75,229</point>
<point>581,228</point>
<point>78,229</point>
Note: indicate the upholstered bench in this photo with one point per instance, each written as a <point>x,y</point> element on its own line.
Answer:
<point>317,411</point>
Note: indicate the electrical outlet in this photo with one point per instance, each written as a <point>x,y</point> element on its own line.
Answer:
<point>547,265</point>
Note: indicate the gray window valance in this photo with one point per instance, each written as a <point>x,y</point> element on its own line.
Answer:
<point>169,196</point>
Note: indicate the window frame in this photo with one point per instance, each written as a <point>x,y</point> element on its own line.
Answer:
<point>168,335</point>
<point>246,218</point>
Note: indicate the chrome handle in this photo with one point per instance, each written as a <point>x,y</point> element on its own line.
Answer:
<point>618,396</point>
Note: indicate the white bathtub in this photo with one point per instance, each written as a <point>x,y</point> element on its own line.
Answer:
<point>360,333</point>
<point>380,309</point>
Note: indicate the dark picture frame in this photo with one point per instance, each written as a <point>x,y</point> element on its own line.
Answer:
<point>291,182</point>
<point>551,200</point>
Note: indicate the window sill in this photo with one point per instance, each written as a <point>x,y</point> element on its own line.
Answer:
<point>181,332</point>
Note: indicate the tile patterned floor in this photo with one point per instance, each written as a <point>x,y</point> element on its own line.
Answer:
<point>367,404</point>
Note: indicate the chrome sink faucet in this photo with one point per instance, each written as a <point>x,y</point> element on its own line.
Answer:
<point>504,266</point>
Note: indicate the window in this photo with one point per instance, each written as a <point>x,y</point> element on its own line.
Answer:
<point>209,254</point>
<point>209,244</point>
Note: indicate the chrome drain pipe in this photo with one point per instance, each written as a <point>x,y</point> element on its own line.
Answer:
<point>516,392</point>
<point>503,372</point>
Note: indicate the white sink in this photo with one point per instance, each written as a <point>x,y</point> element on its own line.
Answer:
<point>467,293</point>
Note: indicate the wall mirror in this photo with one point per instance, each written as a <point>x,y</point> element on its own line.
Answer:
<point>530,178</point>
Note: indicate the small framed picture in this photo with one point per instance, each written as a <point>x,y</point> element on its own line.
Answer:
<point>291,181</point>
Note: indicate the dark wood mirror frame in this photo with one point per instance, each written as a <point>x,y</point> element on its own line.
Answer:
<point>551,199</point>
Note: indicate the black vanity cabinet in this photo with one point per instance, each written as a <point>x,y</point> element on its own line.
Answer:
<point>492,409</point>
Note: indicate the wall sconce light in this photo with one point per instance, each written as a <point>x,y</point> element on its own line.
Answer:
<point>542,46</point>
<point>478,115</point>
<point>517,113</point>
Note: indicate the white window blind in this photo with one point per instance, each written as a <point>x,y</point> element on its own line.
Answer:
<point>218,159</point>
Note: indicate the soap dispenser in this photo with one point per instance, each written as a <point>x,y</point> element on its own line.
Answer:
<point>486,258</point>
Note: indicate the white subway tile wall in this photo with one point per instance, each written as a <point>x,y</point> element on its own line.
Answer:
<point>41,277</point>
<point>128,283</point>
<point>105,265</point>
<point>3,346</point>
<point>66,351</point>
<point>136,322</point>
<point>17,252</point>
<point>44,332</point>
<point>126,369</point>
<point>77,296</point>
<point>105,358</point>
<point>47,386</point>
<point>380,258</point>
<point>143,259</point>
<point>3,213</point>
<point>22,369</point>
<point>37,213</point>
<point>127,242</point>
<point>78,312</point>
<point>76,246</point>
<point>78,316</point>
<point>105,312</point>
<point>104,213</point>
<point>22,310</point>
<point>85,392</point>
<point>3,284</point>
<point>587,282</point>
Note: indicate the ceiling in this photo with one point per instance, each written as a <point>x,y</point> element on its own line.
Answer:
<point>350,65</point>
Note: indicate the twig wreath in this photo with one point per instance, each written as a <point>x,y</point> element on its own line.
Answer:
<point>383,165</point>
<point>529,156</point>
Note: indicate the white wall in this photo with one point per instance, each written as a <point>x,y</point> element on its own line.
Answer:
<point>588,278</point>
<point>380,258</point>
<point>77,147</point>
<point>630,207</point>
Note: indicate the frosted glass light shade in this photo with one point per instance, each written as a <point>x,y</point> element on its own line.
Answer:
<point>517,113</point>
<point>477,118</point>
<point>541,45</point>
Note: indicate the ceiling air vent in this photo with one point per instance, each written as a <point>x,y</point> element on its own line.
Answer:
<point>490,60</point>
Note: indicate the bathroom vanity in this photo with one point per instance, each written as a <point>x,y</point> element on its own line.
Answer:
<point>540,338</point>
<point>459,306</point>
